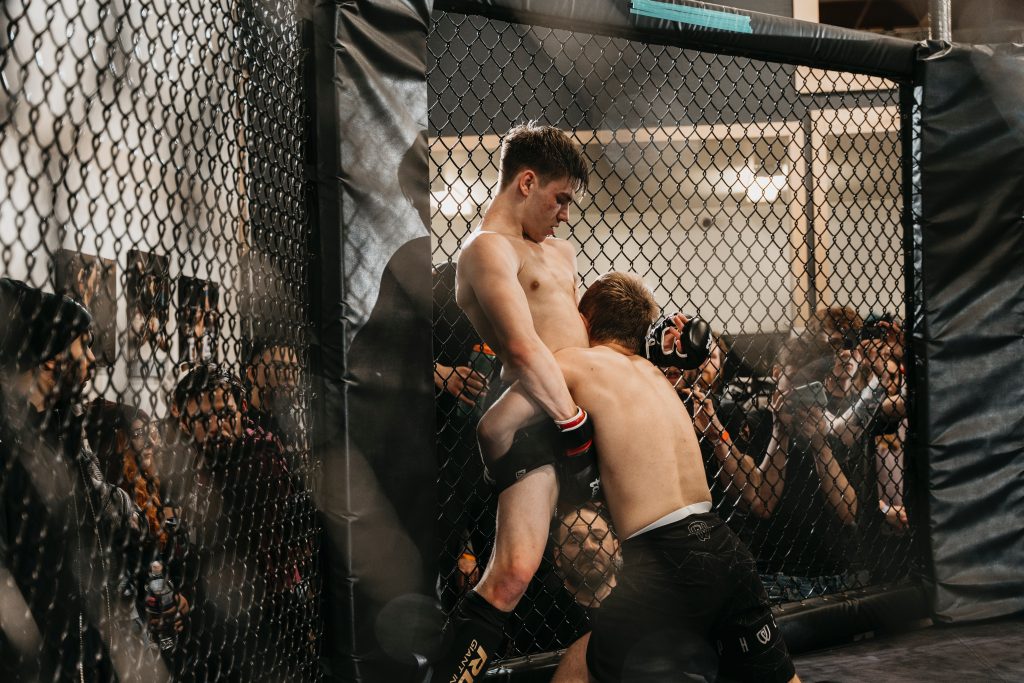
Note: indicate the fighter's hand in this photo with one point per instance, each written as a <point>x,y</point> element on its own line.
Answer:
<point>679,341</point>
<point>672,338</point>
<point>462,382</point>
<point>579,479</point>
<point>577,434</point>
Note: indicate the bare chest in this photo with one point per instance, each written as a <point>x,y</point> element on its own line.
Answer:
<point>545,274</point>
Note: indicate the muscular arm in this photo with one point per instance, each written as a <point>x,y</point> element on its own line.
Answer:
<point>489,267</point>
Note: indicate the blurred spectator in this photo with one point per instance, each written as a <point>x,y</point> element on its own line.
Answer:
<point>466,524</point>
<point>59,520</point>
<point>128,446</point>
<point>123,439</point>
<point>578,576</point>
<point>806,546</point>
<point>837,326</point>
<point>272,383</point>
<point>798,471</point>
<point>586,554</point>
<point>252,573</point>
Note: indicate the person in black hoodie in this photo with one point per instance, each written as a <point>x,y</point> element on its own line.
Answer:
<point>253,588</point>
<point>61,523</point>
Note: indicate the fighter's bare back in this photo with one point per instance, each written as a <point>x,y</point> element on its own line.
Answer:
<point>650,459</point>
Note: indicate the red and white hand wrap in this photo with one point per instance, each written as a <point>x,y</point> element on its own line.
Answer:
<point>578,476</point>
<point>577,433</point>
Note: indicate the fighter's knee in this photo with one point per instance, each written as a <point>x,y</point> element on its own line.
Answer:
<point>492,436</point>
<point>506,585</point>
<point>486,430</point>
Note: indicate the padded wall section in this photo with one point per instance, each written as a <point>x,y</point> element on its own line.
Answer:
<point>972,203</point>
<point>375,427</point>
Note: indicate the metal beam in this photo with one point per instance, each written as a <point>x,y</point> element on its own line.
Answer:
<point>940,21</point>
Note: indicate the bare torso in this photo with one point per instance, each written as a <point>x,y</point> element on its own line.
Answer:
<point>647,450</point>
<point>546,273</point>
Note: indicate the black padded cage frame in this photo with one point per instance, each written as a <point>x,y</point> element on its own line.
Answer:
<point>754,170</point>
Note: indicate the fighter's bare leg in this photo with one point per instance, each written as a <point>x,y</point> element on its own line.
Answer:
<point>573,666</point>
<point>513,411</point>
<point>521,532</point>
<point>474,633</point>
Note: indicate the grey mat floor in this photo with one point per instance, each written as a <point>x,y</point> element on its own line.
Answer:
<point>992,651</point>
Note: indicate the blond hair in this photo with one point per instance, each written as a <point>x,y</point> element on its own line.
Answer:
<point>619,308</point>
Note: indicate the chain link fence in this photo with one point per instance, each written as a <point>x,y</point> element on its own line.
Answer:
<point>153,330</point>
<point>767,198</point>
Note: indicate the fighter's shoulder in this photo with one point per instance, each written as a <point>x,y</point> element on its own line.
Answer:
<point>573,353</point>
<point>482,241</point>
<point>579,359</point>
<point>486,246</point>
<point>562,246</point>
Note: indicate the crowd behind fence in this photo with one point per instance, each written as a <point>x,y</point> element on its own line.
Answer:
<point>155,465</point>
<point>766,198</point>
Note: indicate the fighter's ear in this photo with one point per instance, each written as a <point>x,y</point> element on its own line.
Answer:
<point>526,181</point>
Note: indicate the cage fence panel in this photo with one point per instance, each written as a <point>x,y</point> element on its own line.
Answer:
<point>156,466</point>
<point>766,198</point>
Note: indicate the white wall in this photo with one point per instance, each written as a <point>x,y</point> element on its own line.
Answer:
<point>137,150</point>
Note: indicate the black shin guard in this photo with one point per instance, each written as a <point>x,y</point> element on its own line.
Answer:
<point>473,636</point>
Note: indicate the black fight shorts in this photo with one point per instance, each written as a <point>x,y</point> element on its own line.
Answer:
<point>532,448</point>
<point>687,606</point>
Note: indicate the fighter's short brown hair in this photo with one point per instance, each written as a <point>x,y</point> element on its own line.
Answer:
<point>619,308</point>
<point>548,151</point>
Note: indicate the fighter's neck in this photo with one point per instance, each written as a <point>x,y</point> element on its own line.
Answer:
<point>503,218</point>
<point>614,346</point>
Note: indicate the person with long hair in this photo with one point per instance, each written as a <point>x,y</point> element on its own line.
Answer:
<point>128,446</point>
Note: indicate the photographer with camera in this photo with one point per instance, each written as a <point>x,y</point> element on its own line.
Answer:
<point>726,438</point>
<point>867,397</point>
<point>804,548</point>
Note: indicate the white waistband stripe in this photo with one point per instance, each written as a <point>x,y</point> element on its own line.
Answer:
<point>672,517</point>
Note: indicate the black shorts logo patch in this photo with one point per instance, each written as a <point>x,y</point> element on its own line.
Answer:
<point>764,635</point>
<point>700,530</point>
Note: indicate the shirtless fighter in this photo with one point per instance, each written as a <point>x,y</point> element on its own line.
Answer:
<point>518,286</point>
<point>688,600</point>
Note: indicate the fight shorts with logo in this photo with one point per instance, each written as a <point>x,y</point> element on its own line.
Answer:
<point>533,447</point>
<point>687,606</point>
